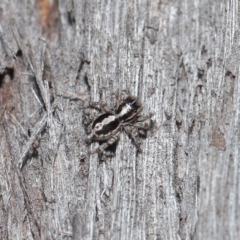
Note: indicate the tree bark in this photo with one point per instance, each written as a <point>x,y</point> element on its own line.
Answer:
<point>180,58</point>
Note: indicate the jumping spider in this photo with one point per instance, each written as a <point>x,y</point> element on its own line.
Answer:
<point>106,127</point>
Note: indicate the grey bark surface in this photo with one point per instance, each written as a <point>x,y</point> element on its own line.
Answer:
<point>181,58</point>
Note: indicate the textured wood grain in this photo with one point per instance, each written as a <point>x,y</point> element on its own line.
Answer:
<point>181,58</point>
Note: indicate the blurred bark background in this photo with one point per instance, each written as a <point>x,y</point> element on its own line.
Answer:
<point>181,58</point>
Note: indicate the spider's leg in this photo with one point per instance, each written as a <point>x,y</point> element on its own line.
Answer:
<point>110,151</point>
<point>87,120</point>
<point>132,131</point>
<point>102,147</point>
<point>145,126</point>
<point>144,118</point>
<point>88,117</point>
<point>105,155</point>
<point>101,106</point>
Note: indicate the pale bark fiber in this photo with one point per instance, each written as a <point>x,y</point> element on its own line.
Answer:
<point>181,58</point>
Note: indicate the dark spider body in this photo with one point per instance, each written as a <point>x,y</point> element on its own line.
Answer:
<point>106,127</point>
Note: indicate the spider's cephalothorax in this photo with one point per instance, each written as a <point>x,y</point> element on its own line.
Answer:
<point>128,109</point>
<point>106,126</point>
